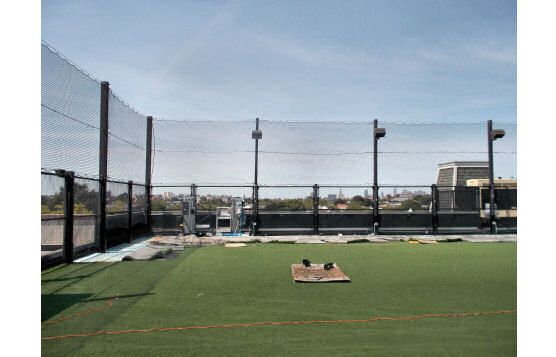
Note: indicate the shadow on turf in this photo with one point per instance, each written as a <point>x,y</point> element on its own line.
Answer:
<point>75,279</point>
<point>53,304</point>
<point>118,297</point>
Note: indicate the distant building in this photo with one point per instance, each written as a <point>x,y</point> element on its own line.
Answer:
<point>506,196</point>
<point>395,201</point>
<point>168,195</point>
<point>341,206</point>
<point>331,197</point>
<point>341,195</point>
<point>457,173</point>
<point>406,194</point>
<point>366,193</point>
<point>451,180</point>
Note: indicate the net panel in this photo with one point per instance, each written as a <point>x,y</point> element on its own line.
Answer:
<point>139,205</point>
<point>298,199</point>
<point>202,152</point>
<point>85,221</point>
<point>405,198</point>
<point>127,130</point>
<point>505,151</point>
<point>168,198</point>
<point>116,198</point>
<point>139,199</point>
<point>70,112</point>
<point>345,198</point>
<point>52,215</point>
<point>318,152</point>
<point>333,153</point>
<point>411,153</point>
<point>210,198</point>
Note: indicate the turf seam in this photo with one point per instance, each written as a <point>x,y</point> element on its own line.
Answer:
<point>417,317</point>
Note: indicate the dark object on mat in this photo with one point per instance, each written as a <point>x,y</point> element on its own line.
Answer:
<point>328,266</point>
<point>306,262</point>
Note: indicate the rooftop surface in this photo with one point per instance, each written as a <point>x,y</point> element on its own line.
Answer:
<point>403,299</point>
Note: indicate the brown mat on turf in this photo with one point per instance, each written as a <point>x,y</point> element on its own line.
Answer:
<point>316,274</point>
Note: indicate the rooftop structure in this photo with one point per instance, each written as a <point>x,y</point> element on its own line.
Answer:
<point>457,173</point>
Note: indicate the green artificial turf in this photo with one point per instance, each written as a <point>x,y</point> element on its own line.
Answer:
<point>218,285</point>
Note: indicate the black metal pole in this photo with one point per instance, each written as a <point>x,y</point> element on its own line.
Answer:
<point>434,208</point>
<point>492,216</point>
<point>148,173</point>
<point>130,211</point>
<point>375,179</point>
<point>69,188</point>
<point>194,200</point>
<point>103,163</point>
<point>255,219</point>
<point>316,209</point>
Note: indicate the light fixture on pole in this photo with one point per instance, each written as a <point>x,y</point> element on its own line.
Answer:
<point>256,135</point>
<point>493,134</point>
<point>377,134</point>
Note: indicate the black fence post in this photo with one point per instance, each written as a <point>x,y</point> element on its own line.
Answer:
<point>148,173</point>
<point>129,211</point>
<point>316,209</point>
<point>69,198</point>
<point>103,163</point>
<point>194,198</point>
<point>375,176</point>
<point>434,208</point>
<point>492,191</point>
<point>256,135</point>
<point>255,218</point>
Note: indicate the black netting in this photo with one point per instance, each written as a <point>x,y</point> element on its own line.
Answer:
<point>505,198</point>
<point>411,153</point>
<point>458,198</point>
<point>285,199</point>
<point>319,152</point>
<point>210,198</point>
<point>52,215</point>
<point>70,110</point>
<point>126,141</point>
<point>139,209</point>
<point>345,198</point>
<point>85,221</point>
<point>404,198</point>
<point>202,152</point>
<point>116,198</point>
<point>139,199</point>
<point>505,151</point>
<point>308,153</point>
<point>168,198</point>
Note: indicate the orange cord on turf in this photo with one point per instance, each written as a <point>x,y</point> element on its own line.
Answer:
<point>101,332</point>
<point>79,314</point>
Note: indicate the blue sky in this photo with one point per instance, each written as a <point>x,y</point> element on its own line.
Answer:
<point>410,61</point>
